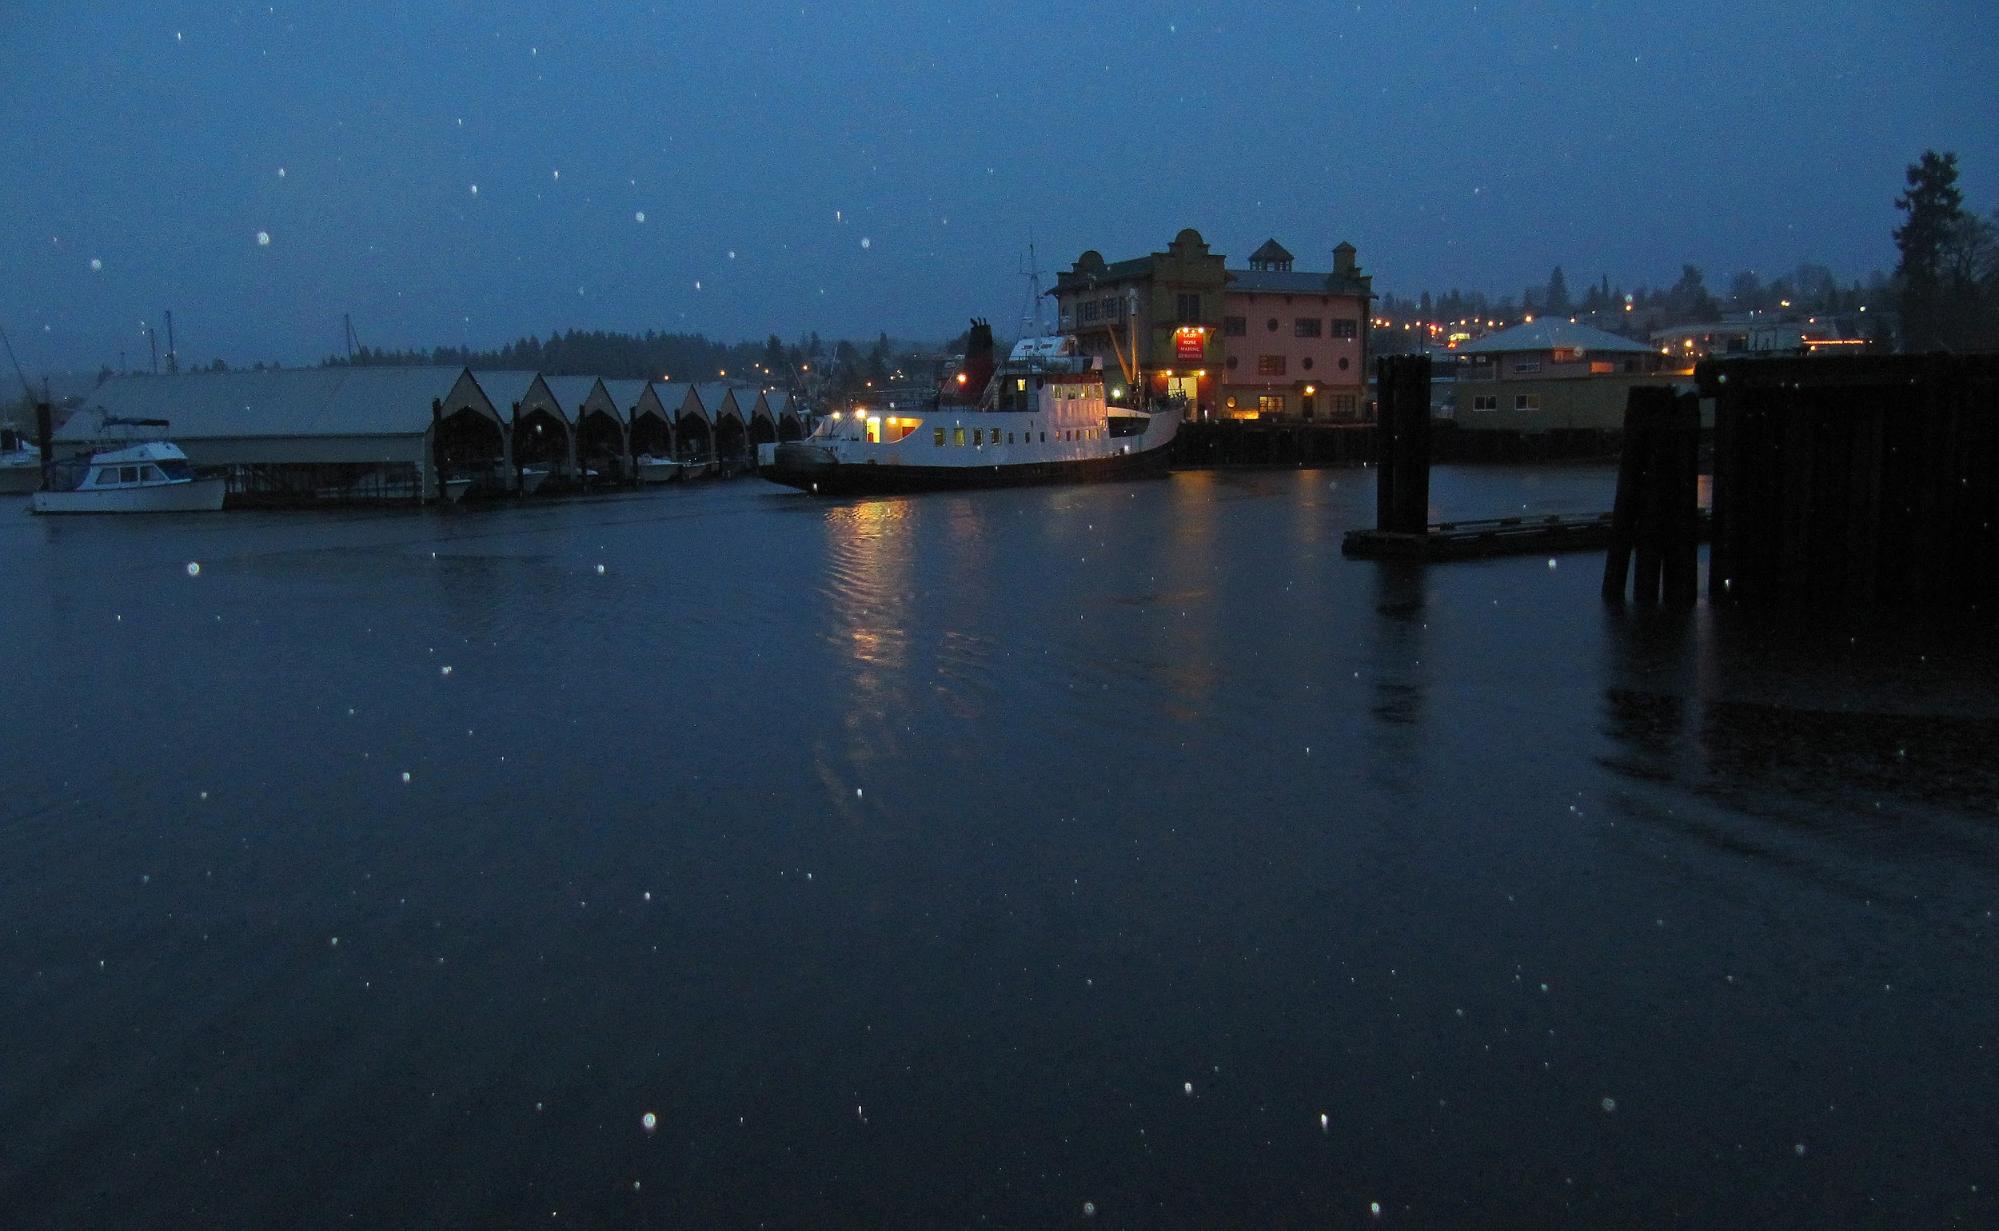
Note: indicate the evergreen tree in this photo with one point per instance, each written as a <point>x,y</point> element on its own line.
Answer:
<point>1557,295</point>
<point>1935,209</point>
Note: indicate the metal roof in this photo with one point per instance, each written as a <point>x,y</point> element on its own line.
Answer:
<point>714,395</point>
<point>625,393</point>
<point>390,401</point>
<point>1552,333</point>
<point>570,392</point>
<point>505,386</point>
<point>1289,281</point>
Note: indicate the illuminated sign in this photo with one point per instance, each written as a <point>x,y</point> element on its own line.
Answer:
<point>1189,344</point>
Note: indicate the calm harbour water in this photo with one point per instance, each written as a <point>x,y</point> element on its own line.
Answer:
<point>909,860</point>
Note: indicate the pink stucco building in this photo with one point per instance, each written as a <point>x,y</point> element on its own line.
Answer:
<point>1294,343</point>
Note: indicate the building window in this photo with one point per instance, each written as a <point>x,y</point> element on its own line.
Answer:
<point>1090,311</point>
<point>1270,404</point>
<point>1345,363</point>
<point>978,437</point>
<point>958,437</point>
<point>1526,365</point>
<point>1485,401</point>
<point>1346,329</point>
<point>1232,362</point>
<point>1270,365</point>
<point>1189,303</point>
<point>1305,327</point>
<point>1567,354</point>
<point>1306,363</point>
<point>1346,403</point>
<point>1601,367</point>
<point>1109,306</point>
<point>937,437</point>
<point>1526,401</point>
<point>1235,326</point>
<point>1272,325</point>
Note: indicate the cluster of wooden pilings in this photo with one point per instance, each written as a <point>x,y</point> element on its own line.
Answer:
<point>1859,480</point>
<point>1655,522</point>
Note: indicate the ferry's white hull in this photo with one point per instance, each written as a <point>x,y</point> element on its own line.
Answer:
<point>188,496</point>
<point>916,463</point>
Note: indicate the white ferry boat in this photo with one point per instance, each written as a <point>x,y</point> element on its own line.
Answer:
<point>1043,418</point>
<point>153,477</point>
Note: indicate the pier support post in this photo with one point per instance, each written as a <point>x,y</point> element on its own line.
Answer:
<point>436,447</point>
<point>45,433</point>
<point>1402,479</point>
<point>1656,515</point>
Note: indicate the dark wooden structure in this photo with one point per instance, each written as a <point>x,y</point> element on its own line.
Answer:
<point>1402,486</point>
<point>1857,480</point>
<point>1273,442</point>
<point>1657,512</point>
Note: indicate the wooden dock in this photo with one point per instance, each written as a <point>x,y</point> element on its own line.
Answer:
<point>1496,536</point>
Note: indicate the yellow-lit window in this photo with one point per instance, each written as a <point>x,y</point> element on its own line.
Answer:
<point>874,429</point>
<point>958,437</point>
<point>937,437</point>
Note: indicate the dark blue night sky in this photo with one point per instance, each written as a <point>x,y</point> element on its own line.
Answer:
<point>849,168</point>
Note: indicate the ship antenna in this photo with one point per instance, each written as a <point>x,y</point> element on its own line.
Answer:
<point>1030,310</point>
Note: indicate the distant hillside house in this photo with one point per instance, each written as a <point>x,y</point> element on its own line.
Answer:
<point>1553,375</point>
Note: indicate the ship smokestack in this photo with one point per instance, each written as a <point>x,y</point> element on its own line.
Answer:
<point>977,371</point>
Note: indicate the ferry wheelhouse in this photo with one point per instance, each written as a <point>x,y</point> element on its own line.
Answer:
<point>1041,418</point>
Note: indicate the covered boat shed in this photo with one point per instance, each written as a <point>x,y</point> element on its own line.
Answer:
<point>305,434</point>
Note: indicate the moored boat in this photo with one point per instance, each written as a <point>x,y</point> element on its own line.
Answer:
<point>651,469</point>
<point>152,477</point>
<point>1041,418</point>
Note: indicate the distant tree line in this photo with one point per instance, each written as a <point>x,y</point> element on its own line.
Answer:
<point>1809,288</point>
<point>809,364</point>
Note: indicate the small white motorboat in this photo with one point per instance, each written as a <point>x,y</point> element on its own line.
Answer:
<point>532,477</point>
<point>658,469</point>
<point>153,477</point>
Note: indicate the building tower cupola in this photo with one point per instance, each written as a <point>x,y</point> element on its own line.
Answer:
<point>1271,256</point>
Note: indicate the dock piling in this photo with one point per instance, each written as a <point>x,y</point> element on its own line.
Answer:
<point>1402,479</point>
<point>1656,517</point>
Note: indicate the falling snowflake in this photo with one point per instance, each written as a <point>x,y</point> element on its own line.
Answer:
<point>95,265</point>
<point>639,216</point>
<point>475,190</point>
<point>263,239</point>
<point>697,284</point>
<point>281,172</point>
<point>866,242</point>
<point>194,568</point>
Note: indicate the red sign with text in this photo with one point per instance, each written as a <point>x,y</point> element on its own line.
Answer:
<point>1189,344</point>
